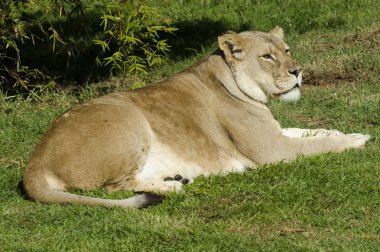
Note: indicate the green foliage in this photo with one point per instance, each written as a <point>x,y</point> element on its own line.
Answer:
<point>135,30</point>
<point>62,40</point>
<point>12,30</point>
<point>16,30</point>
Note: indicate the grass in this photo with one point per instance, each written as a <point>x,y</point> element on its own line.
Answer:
<point>326,202</point>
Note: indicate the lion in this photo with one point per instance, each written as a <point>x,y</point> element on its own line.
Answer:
<point>211,118</point>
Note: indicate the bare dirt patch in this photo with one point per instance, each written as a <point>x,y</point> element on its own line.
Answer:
<point>343,59</point>
<point>315,77</point>
<point>370,39</point>
<point>289,230</point>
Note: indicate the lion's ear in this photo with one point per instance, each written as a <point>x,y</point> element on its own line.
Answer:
<point>231,44</point>
<point>278,32</point>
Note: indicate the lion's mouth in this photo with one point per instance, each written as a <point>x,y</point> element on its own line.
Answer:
<point>291,95</point>
<point>290,90</point>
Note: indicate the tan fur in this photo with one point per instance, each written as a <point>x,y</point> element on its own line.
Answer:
<point>209,119</point>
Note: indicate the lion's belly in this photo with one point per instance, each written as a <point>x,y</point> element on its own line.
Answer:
<point>162,162</point>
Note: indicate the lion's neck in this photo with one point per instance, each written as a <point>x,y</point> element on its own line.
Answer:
<point>240,87</point>
<point>249,88</point>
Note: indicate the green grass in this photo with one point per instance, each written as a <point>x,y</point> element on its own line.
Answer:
<point>326,202</point>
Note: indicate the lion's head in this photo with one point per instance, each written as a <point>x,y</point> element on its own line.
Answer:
<point>262,65</point>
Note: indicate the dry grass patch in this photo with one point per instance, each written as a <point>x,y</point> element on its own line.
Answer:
<point>369,38</point>
<point>274,230</point>
<point>341,58</point>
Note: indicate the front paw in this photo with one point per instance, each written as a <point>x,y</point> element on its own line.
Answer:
<point>334,133</point>
<point>325,132</point>
<point>356,140</point>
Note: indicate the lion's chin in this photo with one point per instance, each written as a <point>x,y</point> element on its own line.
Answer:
<point>291,96</point>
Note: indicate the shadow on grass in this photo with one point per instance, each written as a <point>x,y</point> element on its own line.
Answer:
<point>72,63</point>
<point>21,190</point>
<point>193,36</point>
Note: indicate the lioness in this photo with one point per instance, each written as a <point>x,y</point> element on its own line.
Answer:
<point>209,119</point>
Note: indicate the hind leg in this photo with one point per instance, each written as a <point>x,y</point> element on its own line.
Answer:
<point>148,186</point>
<point>153,192</point>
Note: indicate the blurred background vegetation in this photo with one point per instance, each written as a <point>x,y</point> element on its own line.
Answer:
<point>64,43</point>
<point>49,42</point>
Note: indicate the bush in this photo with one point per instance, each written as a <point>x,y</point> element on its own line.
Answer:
<point>46,41</point>
<point>12,31</point>
<point>133,28</point>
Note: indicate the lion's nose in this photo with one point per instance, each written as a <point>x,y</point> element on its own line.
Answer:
<point>295,71</point>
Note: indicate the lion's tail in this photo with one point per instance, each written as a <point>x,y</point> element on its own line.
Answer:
<point>38,189</point>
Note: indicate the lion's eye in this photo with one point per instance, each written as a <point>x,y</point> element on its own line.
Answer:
<point>267,56</point>
<point>287,51</point>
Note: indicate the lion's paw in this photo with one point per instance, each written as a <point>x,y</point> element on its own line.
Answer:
<point>335,132</point>
<point>325,132</point>
<point>172,186</point>
<point>357,140</point>
<point>178,178</point>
